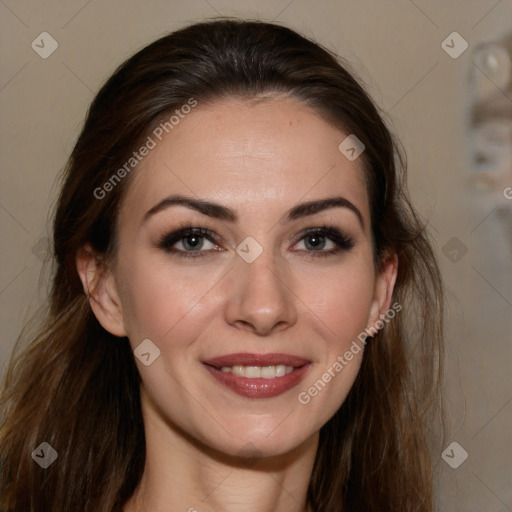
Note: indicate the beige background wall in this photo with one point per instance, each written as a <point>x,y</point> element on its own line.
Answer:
<point>396,47</point>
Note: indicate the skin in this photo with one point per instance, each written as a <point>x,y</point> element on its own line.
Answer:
<point>208,448</point>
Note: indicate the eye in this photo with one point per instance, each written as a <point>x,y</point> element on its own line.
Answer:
<point>192,242</point>
<point>189,242</point>
<point>316,240</point>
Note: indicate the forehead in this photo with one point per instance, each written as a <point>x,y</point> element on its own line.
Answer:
<point>260,155</point>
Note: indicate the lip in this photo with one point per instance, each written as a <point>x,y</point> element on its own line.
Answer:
<point>258,387</point>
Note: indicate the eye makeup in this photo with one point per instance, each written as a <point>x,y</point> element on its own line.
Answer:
<point>192,240</point>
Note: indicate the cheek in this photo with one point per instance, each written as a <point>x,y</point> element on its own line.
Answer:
<point>163,303</point>
<point>340,312</point>
<point>342,303</point>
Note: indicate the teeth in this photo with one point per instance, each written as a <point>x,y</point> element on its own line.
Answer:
<point>255,372</point>
<point>252,372</point>
<point>268,372</point>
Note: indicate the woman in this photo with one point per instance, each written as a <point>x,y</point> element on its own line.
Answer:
<point>246,313</point>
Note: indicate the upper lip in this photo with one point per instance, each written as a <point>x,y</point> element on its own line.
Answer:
<point>246,359</point>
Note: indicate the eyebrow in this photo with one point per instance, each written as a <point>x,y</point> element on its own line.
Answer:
<point>225,213</point>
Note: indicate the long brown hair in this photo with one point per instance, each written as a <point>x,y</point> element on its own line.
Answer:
<point>76,387</point>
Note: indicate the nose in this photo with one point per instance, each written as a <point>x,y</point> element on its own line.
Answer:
<point>261,299</point>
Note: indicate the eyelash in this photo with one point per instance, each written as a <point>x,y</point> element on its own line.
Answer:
<point>343,242</point>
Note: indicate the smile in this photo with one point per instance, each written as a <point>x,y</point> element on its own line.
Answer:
<point>258,375</point>
<point>255,372</point>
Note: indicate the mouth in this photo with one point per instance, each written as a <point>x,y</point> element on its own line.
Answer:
<point>258,375</point>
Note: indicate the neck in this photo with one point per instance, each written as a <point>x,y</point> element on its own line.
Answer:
<point>181,474</point>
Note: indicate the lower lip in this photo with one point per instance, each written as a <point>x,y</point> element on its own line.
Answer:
<point>258,387</point>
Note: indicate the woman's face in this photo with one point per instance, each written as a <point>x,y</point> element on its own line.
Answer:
<point>253,294</point>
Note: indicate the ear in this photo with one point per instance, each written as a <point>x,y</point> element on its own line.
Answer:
<point>383,290</point>
<point>100,288</point>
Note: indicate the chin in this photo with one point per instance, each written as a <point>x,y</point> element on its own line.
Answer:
<point>260,444</point>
